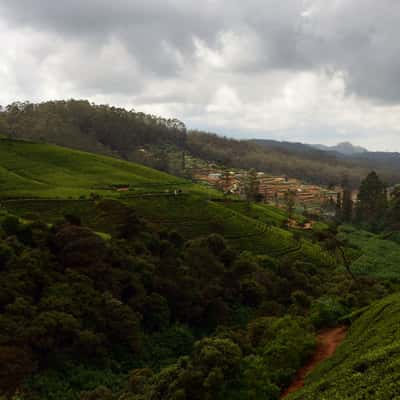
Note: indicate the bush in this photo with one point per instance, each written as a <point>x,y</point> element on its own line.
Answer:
<point>326,311</point>
<point>10,225</point>
<point>6,254</point>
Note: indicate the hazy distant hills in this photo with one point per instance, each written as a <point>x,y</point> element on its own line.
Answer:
<point>344,158</point>
<point>345,148</point>
<point>342,151</point>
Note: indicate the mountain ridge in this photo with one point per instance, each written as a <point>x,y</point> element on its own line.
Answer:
<point>346,148</point>
<point>104,129</point>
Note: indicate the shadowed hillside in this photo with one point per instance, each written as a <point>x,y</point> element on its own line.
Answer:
<point>115,131</point>
<point>366,365</point>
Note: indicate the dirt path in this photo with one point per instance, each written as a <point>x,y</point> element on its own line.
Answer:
<point>328,340</point>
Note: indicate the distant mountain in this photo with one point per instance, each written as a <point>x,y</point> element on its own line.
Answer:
<point>296,147</point>
<point>103,129</point>
<point>344,158</point>
<point>345,148</point>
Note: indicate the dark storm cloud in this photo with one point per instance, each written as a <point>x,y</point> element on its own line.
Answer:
<point>247,66</point>
<point>147,28</point>
<point>358,37</point>
<point>150,28</point>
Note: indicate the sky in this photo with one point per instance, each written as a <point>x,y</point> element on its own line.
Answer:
<point>313,71</point>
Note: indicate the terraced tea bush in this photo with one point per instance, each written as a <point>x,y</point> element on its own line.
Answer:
<point>367,364</point>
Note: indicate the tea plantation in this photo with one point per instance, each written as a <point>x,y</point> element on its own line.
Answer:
<point>51,181</point>
<point>367,364</point>
<point>373,255</point>
<point>40,170</point>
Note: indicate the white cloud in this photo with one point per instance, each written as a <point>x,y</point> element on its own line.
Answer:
<point>303,70</point>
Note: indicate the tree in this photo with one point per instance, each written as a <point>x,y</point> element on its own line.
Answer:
<point>161,161</point>
<point>347,202</point>
<point>290,201</point>
<point>338,212</point>
<point>251,186</point>
<point>332,243</point>
<point>4,128</point>
<point>100,393</point>
<point>10,225</point>
<point>155,311</point>
<point>371,201</point>
<point>394,213</point>
<point>6,254</point>
<point>16,364</point>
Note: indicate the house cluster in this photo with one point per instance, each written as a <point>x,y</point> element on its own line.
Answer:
<point>226,181</point>
<point>273,189</point>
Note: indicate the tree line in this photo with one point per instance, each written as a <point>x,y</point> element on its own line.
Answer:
<point>87,126</point>
<point>191,319</point>
<point>118,132</point>
<point>376,208</point>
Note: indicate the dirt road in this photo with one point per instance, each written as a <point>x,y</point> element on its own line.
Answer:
<point>327,342</point>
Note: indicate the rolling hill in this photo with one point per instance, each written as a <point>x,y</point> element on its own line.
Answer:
<point>42,183</point>
<point>373,255</point>
<point>345,148</point>
<point>51,181</point>
<point>30,169</point>
<point>366,365</point>
<point>120,133</point>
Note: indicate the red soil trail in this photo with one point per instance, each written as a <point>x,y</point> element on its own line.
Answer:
<point>327,342</point>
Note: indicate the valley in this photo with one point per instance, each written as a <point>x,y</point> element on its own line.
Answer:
<point>123,281</point>
<point>199,200</point>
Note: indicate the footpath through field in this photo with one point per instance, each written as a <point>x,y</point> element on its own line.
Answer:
<point>327,342</point>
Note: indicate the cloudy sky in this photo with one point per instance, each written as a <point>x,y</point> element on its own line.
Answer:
<point>318,71</point>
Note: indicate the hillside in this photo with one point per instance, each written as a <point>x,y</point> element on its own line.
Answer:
<point>346,148</point>
<point>155,279</point>
<point>199,200</point>
<point>295,160</point>
<point>372,254</point>
<point>82,125</point>
<point>30,169</point>
<point>353,160</point>
<point>366,365</point>
<point>60,180</point>
<point>125,134</point>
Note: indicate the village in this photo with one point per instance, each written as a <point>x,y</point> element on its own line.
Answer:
<point>307,197</point>
<point>272,189</point>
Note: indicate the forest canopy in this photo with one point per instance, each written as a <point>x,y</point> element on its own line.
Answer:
<point>115,131</point>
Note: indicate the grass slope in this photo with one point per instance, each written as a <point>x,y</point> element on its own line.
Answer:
<point>373,255</point>
<point>367,364</point>
<point>40,170</point>
<point>47,180</point>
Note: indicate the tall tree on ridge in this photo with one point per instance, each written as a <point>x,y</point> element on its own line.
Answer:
<point>290,202</point>
<point>371,201</point>
<point>347,202</point>
<point>251,186</point>
<point>394,212</point>
<point>338,212</point>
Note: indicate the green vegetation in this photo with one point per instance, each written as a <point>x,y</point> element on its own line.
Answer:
<point>165,290</point>
<point>197,317</point>
<point>366,365</point>
<point>373,256</point>
<point>81,125</point>
<point>230,366</point>
<point>262,212</point>
<point>114,131</point>
<point>40,170</point>
<point>312,166</point>
<point>372,202</point>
